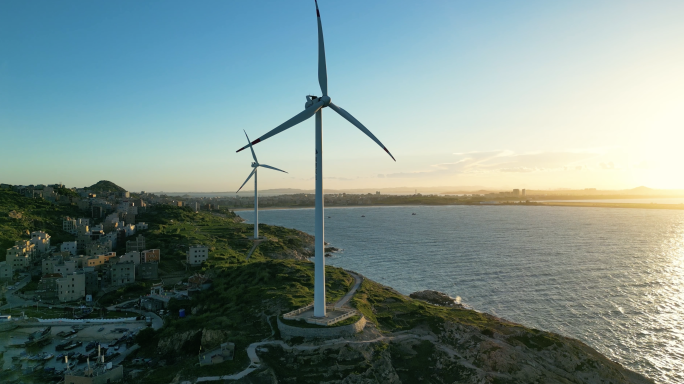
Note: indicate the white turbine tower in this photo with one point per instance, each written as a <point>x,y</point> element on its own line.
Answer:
<point>314,106</point>
<point>255,165</point>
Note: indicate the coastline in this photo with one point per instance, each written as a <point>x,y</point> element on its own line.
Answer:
<point>531,204</point>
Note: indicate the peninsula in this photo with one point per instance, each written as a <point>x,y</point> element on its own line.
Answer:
<point>241,301</point>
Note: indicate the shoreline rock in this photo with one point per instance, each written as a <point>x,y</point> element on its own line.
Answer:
<point>437,298</point>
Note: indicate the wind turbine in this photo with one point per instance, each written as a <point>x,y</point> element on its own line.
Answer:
<point>314,106</point>
<point>255,165</point>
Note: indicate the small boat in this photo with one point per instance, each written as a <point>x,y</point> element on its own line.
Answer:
<point>91,345</point>
<point>60,347</point>
<point>73,344</point>
<point>59,357</point>
<point>101,329</point>
<point>67,333</point>
<point>363,215</point>
<point>413,214</point>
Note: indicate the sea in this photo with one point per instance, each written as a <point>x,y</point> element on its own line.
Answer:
<point>612,278</point>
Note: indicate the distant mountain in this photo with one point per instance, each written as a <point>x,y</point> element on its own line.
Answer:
<point>641,189</point>
<point>105,186</point>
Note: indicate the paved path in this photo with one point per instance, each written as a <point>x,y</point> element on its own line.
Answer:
<point>255,362</point>
<point>157,321</point>
<point>351,292</point>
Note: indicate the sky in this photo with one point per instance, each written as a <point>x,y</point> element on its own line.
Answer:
<point>155,95</point>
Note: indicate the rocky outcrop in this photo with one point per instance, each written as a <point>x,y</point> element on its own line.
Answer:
<point>179,342</point>
<point>437,298</point>
<point>456,354</point>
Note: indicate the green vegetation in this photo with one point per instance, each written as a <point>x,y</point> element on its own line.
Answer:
<point>392,311</point>
<point>36,215</point>
<point>174,229</point>
<point>103,186</point>
<point>124,293</point>
<point>66,192</point>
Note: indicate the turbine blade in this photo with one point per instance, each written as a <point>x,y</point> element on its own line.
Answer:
<point>269,167</point>
<point>250,147</point>
<point>248,177</point>
<point>307,113</point>
<point>322,70</point>
<point>360,126</point>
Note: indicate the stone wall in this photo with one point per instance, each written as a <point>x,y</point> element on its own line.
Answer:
<point>288,331</point>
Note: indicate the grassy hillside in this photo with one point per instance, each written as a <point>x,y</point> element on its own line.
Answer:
<point>103,186</point>
<point>37,215</point>
<point>174,229</point>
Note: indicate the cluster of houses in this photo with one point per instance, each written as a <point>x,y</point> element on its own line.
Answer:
<point>77,270</point>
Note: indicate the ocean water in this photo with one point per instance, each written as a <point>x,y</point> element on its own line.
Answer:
<point>612,278</point>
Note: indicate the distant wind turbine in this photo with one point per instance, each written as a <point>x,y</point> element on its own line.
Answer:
<point>314,106</point>
<point>255,165</point>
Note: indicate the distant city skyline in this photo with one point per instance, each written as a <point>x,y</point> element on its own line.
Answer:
<point>154,96</point>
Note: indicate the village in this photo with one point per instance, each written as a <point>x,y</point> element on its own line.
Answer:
<point>62,314</point>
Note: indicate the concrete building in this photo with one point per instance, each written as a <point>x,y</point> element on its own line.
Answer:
<point>47,286</point>
<point>101,247</point>
<point>122,273</point>
<point>92,281</point>
<point>21,255</point>
<point>6,271</point>
<point>66,268</point>
<point>130,229</point>
<point>133,256</point>
<point>71,287</point>
<point>147,271</point>
<point>69,225</point>
<point>516,192</point>
<point>141,226</point>
<point>41,240</point>
<point>69,246</point>
<point>197,254</point>
<point>136,245</point>
<point>523,192</point>
<point>49,264</point>
<point>82,238</point>
<point>150,256</point>
<point>99,260</point>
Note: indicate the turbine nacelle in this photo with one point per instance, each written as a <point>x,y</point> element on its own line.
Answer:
<point>254,165</point>
<point>317,102</point>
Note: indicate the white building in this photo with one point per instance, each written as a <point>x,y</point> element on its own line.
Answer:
<point>69,246</point>
<point>197,254</point>
<point>72,225</point>
<point>41,240</point>
<point>141,226</point>
<point>69,225</point>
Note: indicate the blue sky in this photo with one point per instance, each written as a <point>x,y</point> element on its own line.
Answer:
<point>154,95</point>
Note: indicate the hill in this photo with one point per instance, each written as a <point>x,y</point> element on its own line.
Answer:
<point>406,341</point>
<point>105,186</point>
<point>32,215</point>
